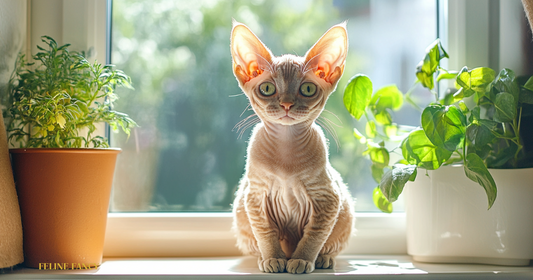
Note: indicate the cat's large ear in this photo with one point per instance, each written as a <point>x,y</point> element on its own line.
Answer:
<point>250,55</point>
<point>327,57</point>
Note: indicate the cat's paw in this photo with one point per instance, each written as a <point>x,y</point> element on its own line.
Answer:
<point>297,266</point>
<point>325,261</point>
<point>272,265</point>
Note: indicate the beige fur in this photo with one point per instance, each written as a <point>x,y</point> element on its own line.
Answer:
<point>292,209</point>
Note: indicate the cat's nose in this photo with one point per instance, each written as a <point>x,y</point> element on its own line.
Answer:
<point>286,105</point>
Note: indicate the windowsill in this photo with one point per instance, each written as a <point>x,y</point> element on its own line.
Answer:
<point>171,235</point>
<point>362,267</point>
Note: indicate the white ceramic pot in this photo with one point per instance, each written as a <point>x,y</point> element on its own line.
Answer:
<point>448,220</point>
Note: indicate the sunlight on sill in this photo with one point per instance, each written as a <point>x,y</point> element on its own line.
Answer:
<point>228,267</point>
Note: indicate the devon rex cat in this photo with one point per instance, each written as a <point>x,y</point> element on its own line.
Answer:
<point>292,209</point>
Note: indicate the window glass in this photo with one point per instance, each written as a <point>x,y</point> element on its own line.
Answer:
<point>186,154</point>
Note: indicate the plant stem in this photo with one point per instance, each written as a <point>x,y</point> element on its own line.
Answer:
<point>517,135</point>
<point>464,151</point>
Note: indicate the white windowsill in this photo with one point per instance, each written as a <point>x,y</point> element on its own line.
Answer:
<point>210,235</point>
<point>357,267</point>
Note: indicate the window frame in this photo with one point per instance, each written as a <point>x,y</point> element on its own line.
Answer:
<point>209,234</point>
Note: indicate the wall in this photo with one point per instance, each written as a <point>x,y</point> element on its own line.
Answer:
<point>12,37</point>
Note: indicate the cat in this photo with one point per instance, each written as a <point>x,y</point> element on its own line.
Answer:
<point>292,209</point>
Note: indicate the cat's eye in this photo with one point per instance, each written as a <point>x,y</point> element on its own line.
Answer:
<point>267,89</point>
<point>308,89</point>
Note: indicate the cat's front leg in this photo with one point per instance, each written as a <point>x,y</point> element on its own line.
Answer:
<point>272,259</point>
<point>325,207</point>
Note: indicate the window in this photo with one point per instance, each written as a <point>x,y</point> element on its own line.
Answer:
<point>186,154</point>
<point>475,33</point>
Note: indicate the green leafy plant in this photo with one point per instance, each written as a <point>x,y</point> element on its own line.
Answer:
<point>485,134</point>
<point>56,101</point>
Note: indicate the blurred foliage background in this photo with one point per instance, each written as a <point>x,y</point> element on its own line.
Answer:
<point>185,155</point>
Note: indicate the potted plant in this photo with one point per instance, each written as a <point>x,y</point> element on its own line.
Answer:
<point>63,171</point>
<point>469,137</point>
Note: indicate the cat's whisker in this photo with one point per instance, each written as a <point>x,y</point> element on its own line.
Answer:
<point>326,125</point>
<point>328,111</point>
<point>332,123</point>
<point>235,95</point>
<point>246,109</point>
<point>248,125</point>
<point>243,122</point>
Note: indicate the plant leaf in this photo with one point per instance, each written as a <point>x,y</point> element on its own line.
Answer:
<point>505,107</point>
<point>417,149</point>
<point>506,82</point>
<point>446,76</point>
<point>379,156</point>
<point>377,173</point>
<point>503,157</point>
<point>381,201</point>
<point>390,130</point>
<point>60,120</point>
<point>476,171</point>
<point>479,135</point>
<point>474,81</point>
<point>357,95</point>
<point>359,136</point>
<point>394,180</point>
<point>526,96</point>
<point>382,117</point>
<point>444,126</point>
<point>387,97</point>
<point>370,129</point>
<point>427,67</point>
<point>529,84</point>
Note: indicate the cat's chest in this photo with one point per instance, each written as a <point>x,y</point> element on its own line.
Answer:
<point>287,160</point>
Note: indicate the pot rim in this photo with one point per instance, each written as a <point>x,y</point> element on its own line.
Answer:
<point>63,150</point>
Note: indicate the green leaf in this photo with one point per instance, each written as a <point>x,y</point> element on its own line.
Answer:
<point>357,95</point>
<point>444,126</point>
<point>417,149</point>
<point>505,107</point>
<point>476,113</point>
<point>463,107</point>
<point>382,117</point>
<point>474,81</point>
<point>479,135</point>
<point>529,84</point>
<point>506,82</point>
<point>502,158</point>
<point>379,156</point>
<point>394,180</point>
<point>359,136</point>
<point>381,201</point>
<point>427,67</point>
<point>82,106</point>
<point>476,171</point>
<point>377,172</point>
<point>490,125</point>
<point>390,130</point>
<point>446,76</point>
<point>60,120</point>
<point>388,97</point>
<point>526,96</point>
<point>370,129</point>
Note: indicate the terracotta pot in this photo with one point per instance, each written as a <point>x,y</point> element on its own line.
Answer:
<point>64,201</point>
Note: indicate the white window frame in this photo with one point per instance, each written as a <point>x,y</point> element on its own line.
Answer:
<point>83,23</point>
